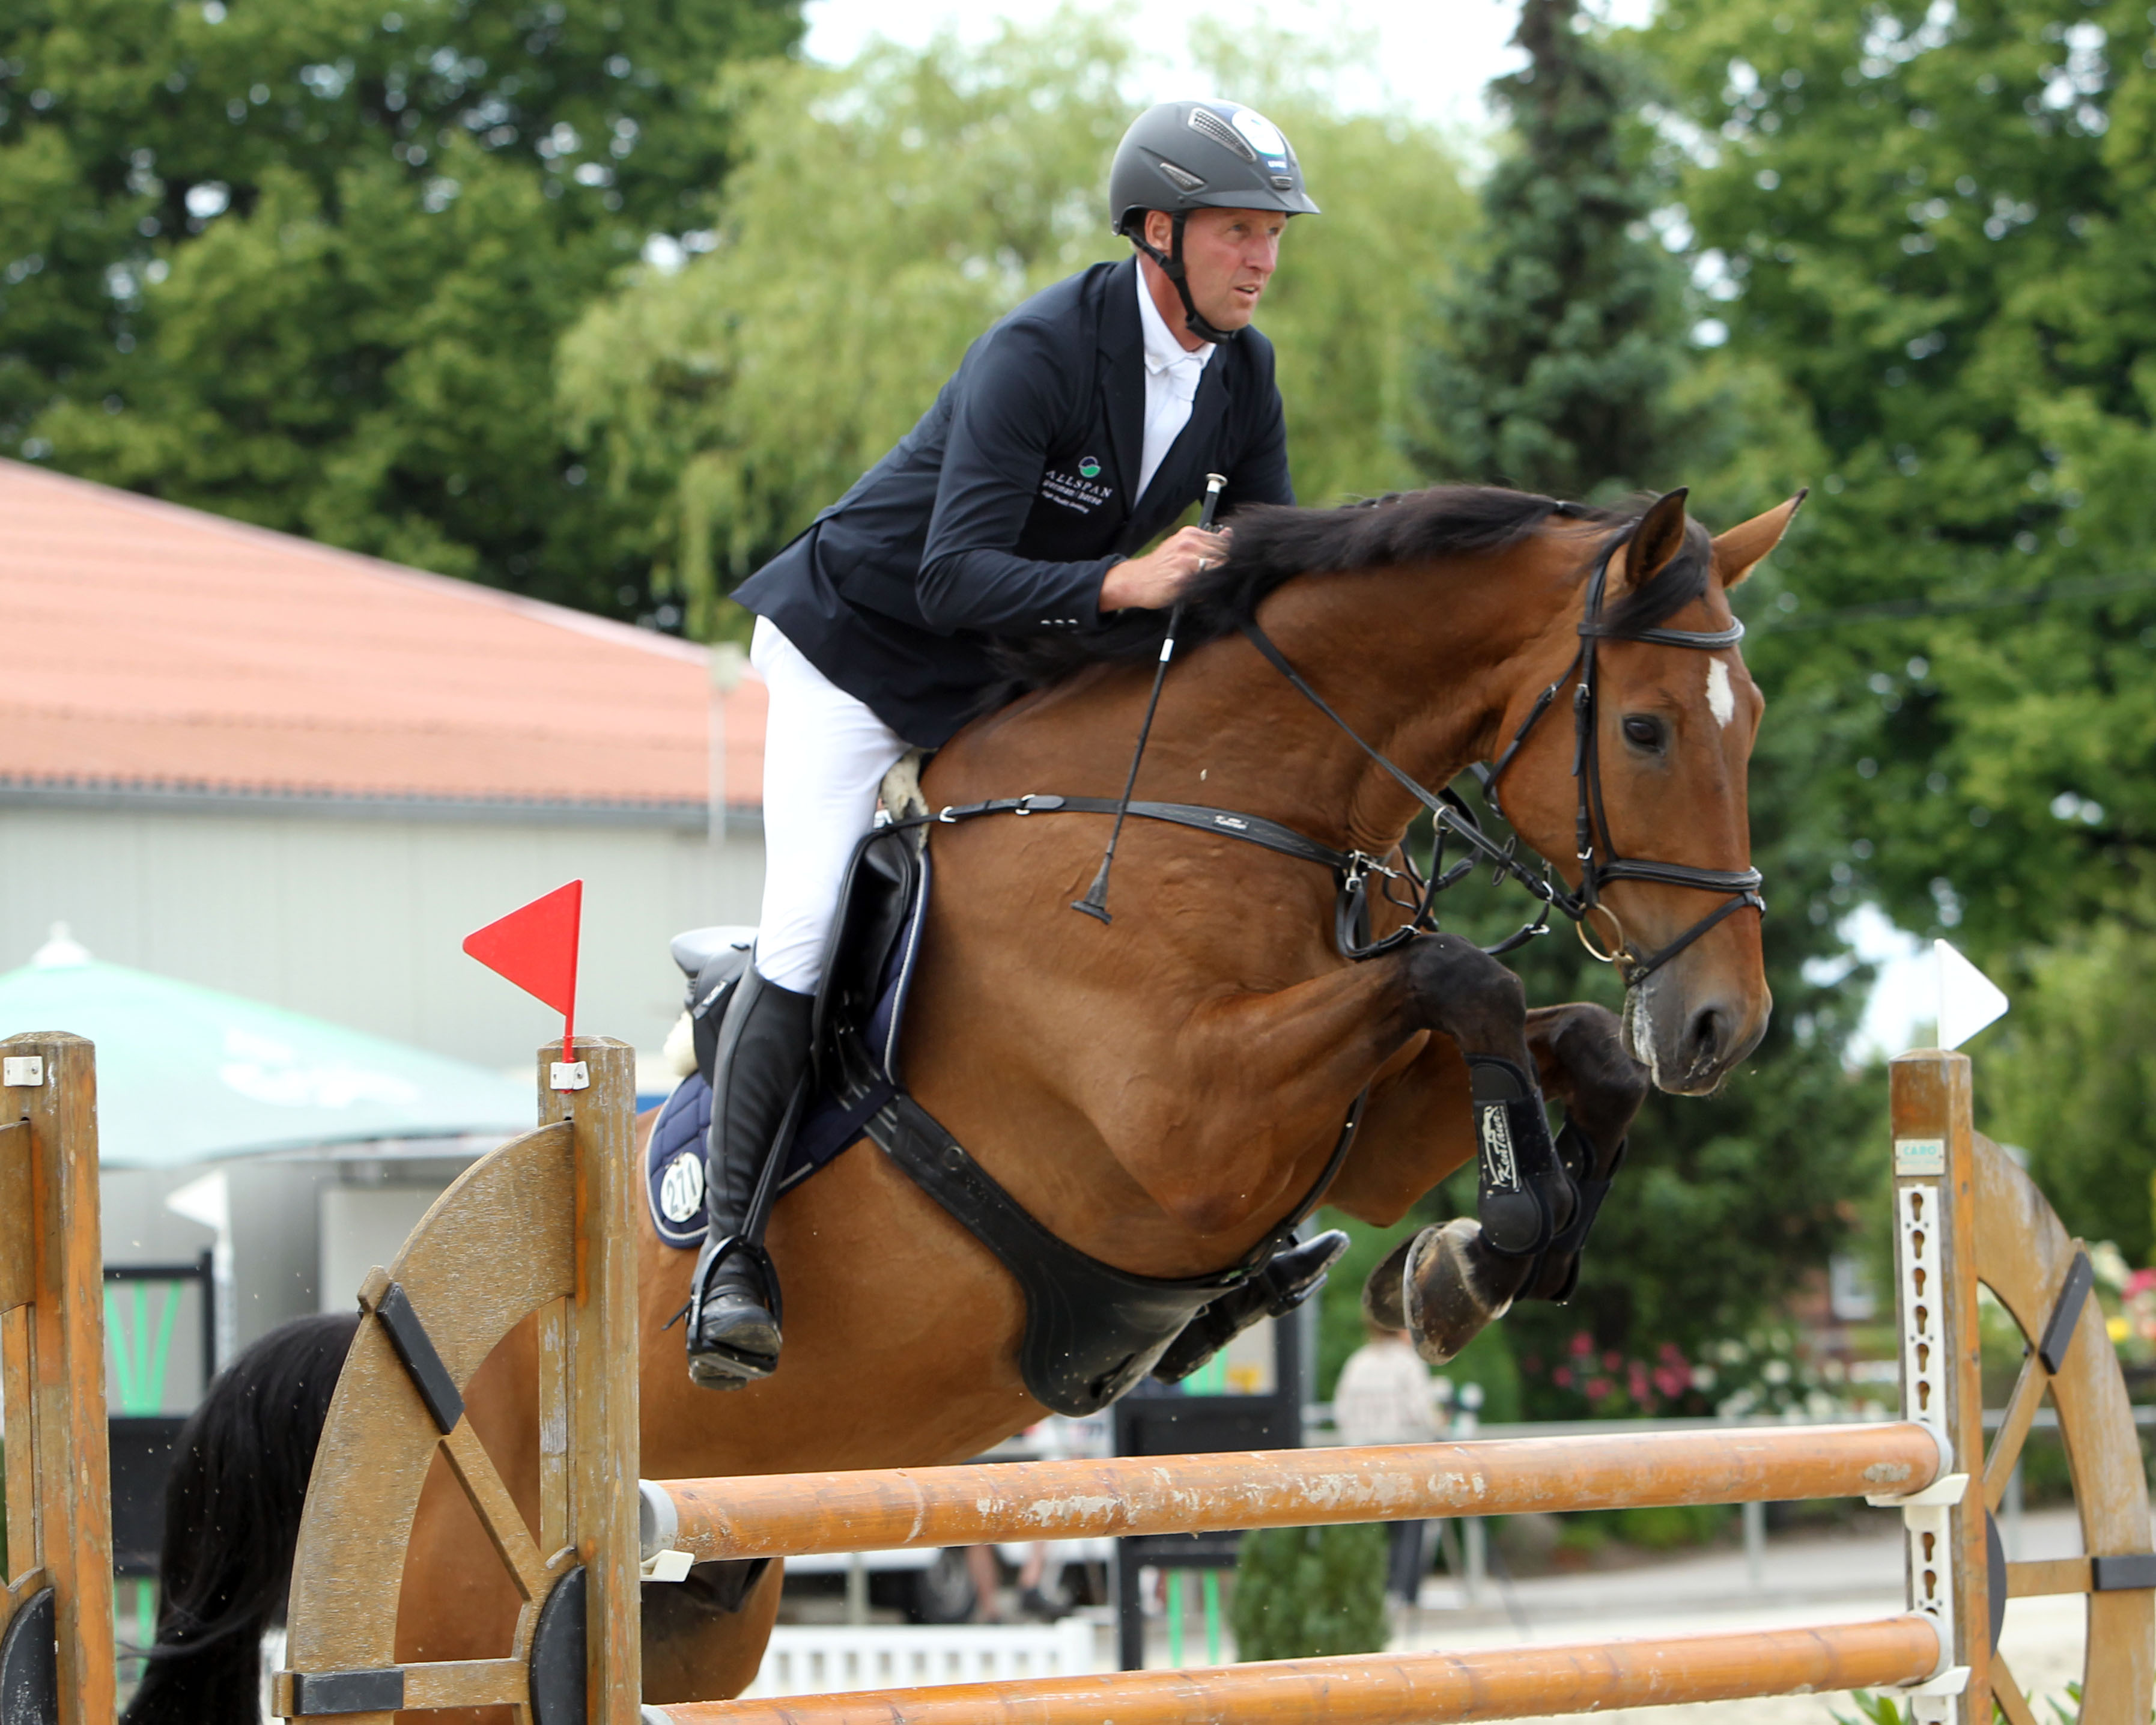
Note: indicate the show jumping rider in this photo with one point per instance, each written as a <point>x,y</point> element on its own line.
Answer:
<point>1075,431</point>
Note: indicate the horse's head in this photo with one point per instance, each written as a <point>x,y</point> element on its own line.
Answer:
<point>1641,766</point>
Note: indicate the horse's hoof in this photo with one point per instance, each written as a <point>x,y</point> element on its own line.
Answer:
<point>1447,1285</point>
<point>1384,1296</point>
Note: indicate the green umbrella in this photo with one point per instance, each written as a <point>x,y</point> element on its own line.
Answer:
<point>187,1074</point>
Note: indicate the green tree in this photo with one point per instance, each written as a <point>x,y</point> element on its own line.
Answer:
<point>306,263</point>
<point>748,388</point>
<point>1931,224</point>
<point>2073,1076</point>
<point>1554,363</point>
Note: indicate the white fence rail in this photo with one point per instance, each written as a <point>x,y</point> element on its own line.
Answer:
<point>814,1659</point>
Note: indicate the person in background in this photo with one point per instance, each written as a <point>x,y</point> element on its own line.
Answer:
<point>983,1563</point>
<point>1385,1396</point>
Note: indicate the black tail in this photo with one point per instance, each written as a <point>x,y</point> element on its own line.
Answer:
<point>232,1515</point>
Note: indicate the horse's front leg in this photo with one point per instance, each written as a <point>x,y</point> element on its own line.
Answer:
<point>1535,1196</point>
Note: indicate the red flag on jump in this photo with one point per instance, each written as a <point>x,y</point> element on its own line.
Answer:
<point>536,948</point>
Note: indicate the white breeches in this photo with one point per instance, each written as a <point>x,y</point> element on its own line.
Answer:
<point>824,756</point>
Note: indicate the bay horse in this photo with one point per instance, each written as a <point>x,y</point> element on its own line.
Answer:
<point>1158,1091</point>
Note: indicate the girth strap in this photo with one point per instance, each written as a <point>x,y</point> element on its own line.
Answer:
<point>1091,1330</point>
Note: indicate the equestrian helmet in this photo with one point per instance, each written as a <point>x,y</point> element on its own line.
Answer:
<point>1179,156</point>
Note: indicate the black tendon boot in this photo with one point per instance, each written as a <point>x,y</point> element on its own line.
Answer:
<point>1524,1193</point>
<point>1452,1280</point>
<point>760,1075</point>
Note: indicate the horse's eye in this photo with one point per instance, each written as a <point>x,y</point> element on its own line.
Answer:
<point>1644,733</point>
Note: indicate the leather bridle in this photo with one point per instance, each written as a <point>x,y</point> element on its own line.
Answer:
<point>1597,856</point>
<point>1593,849</point>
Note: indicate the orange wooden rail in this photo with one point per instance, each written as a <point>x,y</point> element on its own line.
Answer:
<point>798,1514</point>
<point>1393,1689</point>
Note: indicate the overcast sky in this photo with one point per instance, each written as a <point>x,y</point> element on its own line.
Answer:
<point>1428,57</point>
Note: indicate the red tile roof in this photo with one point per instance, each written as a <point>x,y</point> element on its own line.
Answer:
<point>153,646</point>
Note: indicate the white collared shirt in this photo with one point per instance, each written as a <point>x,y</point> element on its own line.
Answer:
<point>1172,372</point>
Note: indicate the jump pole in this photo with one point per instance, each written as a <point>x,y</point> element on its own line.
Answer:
<point>1390,1689</point>
<point>799,1514</point>
<point>1962,1212</point>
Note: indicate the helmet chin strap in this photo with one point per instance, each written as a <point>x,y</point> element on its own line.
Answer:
<point>1171,266</point>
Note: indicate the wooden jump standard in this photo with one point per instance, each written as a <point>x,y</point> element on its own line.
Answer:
<point>56,1641</point>
<point>544,1226</point>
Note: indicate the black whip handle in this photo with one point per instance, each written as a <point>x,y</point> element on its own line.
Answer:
<point>1095,904</point>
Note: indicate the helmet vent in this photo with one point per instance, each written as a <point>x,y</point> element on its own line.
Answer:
<point>1283,183</point>
<point>1208,124</point>
<point>1181,178</point>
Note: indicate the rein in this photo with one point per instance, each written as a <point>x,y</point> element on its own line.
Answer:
<point>1596,854</point>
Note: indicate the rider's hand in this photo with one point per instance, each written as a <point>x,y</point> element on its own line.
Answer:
<point>1157,580</point>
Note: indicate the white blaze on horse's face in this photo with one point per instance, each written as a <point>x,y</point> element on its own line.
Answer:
<point>1721,698</point>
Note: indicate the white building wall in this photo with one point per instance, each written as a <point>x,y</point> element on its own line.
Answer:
<point>359,918</point>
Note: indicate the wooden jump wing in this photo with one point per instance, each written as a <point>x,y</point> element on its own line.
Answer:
<point>537,1227</point>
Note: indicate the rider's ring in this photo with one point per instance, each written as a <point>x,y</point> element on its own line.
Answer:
<point>1203,566</point>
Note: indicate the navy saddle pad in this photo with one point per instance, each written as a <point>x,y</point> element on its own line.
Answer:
<point>673,1159</point>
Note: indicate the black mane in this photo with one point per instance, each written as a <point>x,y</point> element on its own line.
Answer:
<point>1274,543</point>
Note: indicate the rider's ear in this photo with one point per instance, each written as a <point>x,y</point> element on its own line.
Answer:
<point>1745,546</point>
<point>1659,537</point>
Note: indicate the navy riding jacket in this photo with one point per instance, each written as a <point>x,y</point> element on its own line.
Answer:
<point>999,512</point>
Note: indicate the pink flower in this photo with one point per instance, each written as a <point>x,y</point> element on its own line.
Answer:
<point>2140,1282</point>
<point>1561,1377</point>
<point>1672,1380</point>
<point>1583,1344</point>
<point>1612,1360</point>
<point>1599,1388</point>
<point>1672,1354</point>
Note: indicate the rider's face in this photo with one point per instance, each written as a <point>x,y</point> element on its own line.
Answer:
<point>1229,255</point>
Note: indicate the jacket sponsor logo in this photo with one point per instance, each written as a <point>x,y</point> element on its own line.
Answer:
<point>1080,491</point>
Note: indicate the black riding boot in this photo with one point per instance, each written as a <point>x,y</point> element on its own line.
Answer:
<point>761,1070</point>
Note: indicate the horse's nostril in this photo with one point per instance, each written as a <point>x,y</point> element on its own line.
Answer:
<point>1703,1037</point>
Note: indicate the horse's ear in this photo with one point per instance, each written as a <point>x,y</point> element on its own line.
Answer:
<point>1744,548</point>
<point>1659,537</point>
